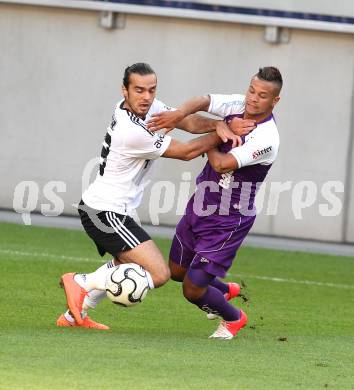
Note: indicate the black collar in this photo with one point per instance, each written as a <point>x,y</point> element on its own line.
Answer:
<point>128,111</point>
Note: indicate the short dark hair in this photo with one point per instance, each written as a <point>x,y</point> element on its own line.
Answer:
<point>271,74</point>
<point>139,68</point>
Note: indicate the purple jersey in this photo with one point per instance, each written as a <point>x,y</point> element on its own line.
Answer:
<point>237,190</point>
<point>234,192</point>
<point>220,214</point>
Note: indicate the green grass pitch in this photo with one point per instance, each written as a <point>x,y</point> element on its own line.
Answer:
<point>300,332</point>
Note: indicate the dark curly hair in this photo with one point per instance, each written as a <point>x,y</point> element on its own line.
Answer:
<point>139,68</point>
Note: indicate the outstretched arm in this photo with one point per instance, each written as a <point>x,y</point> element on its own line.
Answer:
<point>185,118</point>
<point>193,148</point>
<point>172,119</point>
<point>198,124</point>
<point>195,124</point>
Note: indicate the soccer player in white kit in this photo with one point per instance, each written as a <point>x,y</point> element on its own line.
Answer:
<point>128,152</point>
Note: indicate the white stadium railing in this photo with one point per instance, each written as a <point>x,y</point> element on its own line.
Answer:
<point>207,11</point>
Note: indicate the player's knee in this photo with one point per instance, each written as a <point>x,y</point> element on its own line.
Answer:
<point>161,277</point>
<point>191,292</point>
<point>177,272</point>
<point>176,277</point>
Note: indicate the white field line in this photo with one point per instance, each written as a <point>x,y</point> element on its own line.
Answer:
<point>295,281</point>
<point>47,255</point>
<point>267,278</point>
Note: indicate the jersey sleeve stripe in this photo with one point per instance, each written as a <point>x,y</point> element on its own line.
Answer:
<point>136,121</point>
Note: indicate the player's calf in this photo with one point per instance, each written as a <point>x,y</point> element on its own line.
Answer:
<point>191,291</point>
<point>150,258</point>
<point>161,276</point>
<point>232,292</point>
<point>197,290</point>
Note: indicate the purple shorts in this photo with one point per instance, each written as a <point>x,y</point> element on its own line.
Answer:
<point>209,243</point>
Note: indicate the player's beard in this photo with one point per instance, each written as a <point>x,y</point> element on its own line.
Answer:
<point>137,110</point>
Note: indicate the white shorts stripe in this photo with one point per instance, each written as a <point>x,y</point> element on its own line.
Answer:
<point>129,233</point>
<point>124,229</point>
<point>116,228</point>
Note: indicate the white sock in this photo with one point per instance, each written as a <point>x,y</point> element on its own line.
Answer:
<point>92,299</point>
<point>69,317</point>
<point>150,281</point>
<point>95,280</point>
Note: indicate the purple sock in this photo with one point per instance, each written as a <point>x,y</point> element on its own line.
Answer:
<point>217,283</point>
<point>213,301</point>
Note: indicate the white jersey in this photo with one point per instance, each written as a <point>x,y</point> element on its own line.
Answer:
<point>128,151</point>
<point>260,145</point>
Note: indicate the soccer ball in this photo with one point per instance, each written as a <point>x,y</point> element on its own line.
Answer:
<point>127,285</point>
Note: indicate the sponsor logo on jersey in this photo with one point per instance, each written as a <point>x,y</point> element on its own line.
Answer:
<point>159,141</point>
<point>237,102</point>
<point>204,260</point>
<point>258,153</point>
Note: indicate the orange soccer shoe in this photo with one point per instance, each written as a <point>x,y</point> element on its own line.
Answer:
<point>229,329</point>
<point>62,321</point>
<point>74,295</point>
<point>234,290</point>
<point>87,323</point>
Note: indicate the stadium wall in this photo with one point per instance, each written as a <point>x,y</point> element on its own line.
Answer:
<point>60,77</point>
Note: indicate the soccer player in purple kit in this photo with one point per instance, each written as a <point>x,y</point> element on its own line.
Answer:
<point>220,214</point>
